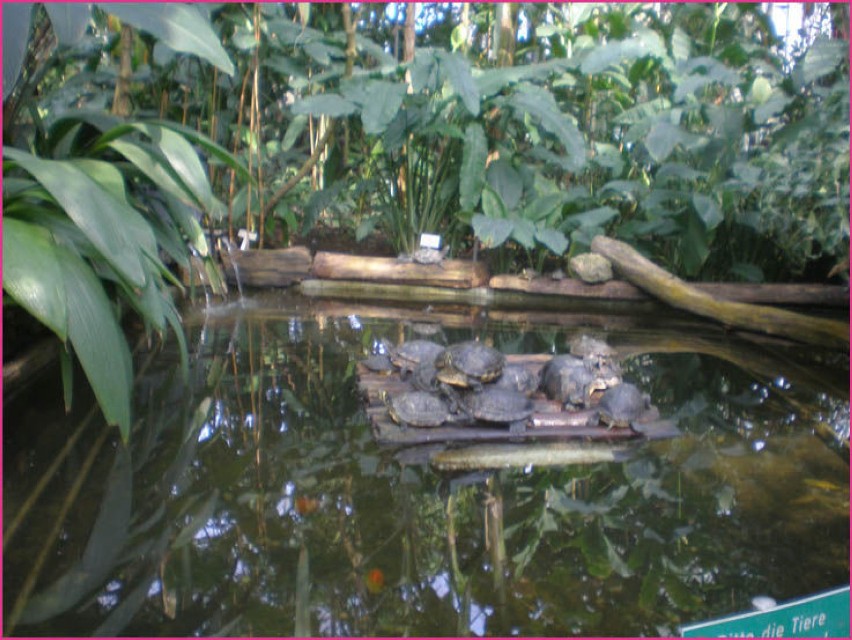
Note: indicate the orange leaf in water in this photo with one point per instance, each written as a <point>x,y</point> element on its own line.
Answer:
<point>375,580</point>
<point>306,506</point>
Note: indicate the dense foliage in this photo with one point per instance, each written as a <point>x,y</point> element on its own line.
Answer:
<point>527,129</point>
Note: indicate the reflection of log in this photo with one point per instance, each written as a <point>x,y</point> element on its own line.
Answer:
<point>674,291</point>
<point>457,274</point>
<point>358,288</point>
<point>269,267</point>
<point>770,293</point>
<point>17,373</point>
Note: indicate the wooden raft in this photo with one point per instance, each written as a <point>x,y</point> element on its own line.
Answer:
<point>549,420</point>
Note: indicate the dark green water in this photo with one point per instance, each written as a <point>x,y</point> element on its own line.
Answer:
<point>254,501</point>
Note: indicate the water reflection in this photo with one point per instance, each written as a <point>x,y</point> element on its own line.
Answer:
<point>255,501</point>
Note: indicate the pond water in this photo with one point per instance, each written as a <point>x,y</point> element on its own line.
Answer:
<point>253,499</point>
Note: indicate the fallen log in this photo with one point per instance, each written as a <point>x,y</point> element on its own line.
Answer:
<point>455,274</point>
<point>267,267</point>
<point>766,293</point>
<point>677,293</point>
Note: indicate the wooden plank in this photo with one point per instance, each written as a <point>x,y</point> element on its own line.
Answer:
<point>768,293</point>
<point>268,267</point>
<point>455,274</point>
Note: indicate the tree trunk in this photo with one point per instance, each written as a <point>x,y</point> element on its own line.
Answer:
<point>504,33</point>
<point>121,97</point>
<point>408,32</point>
<point>674,291</point>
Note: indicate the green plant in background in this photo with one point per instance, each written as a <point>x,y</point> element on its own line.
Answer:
<point>93,206</point>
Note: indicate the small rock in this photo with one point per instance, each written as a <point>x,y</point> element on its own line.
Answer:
<point>591,268</point>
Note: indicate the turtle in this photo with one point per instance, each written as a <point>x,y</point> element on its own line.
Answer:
<point>425,255</point>
<point>570,380</point>
<point>585,345</point>
<point>423,378</point>
<point>469,364</point>
<point>378,363</point>
<point>622,404</point>
<point>499,405</point>
<point>518,378</point>
<point>409,354</point>
<point>417,409</point>
<point>598,355</point>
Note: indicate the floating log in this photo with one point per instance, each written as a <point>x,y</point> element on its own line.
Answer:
<point>769,293</point>
<point>268,267</point>
<point>455,274</point>
<point>506,456</point>
<point>674,291</point>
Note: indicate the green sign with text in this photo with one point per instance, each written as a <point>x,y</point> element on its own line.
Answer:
<point>824,615</point>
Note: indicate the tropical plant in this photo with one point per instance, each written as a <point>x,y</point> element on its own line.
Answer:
<point>93,203</point>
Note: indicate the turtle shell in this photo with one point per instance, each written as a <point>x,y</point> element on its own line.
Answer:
<point>424,377</point>
<point>378,363</point>
<point>572,380</point>
<point>417,409</point>
<point>622,404</point>
<point>409,354</point>
<point>499,405</point>
<point>517,378</point>
<point>469,364</point>
<point>429,256</point>
<point>586,345</point>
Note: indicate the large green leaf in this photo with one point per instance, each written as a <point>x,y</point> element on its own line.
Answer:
<point>492,232</point>
<point>456,69</point>
<point>541,104</point>
<point>543,206</point>
<point>662,139</point>
<point>708,210</point>
<point>602,57</point>
<point>156,167</point>
<point>383,105</point>
<point>472,176</point>
<point>553,239</point>
<point>325,104</point>
<point>183,160</point>
<point>214,149</point>
<point>587,219</point>
<point>93,210</point>
<point>503,178</point>
<point>821,58</point>
<point>16,36</point>
<point>32,274</point>
<point>492,203</point>
<point>183,27</point>
<point>694,246</point>
<point>523,232</point>
<point>98,340</point>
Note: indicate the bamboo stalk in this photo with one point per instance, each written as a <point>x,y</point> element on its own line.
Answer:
<point>674,291</point>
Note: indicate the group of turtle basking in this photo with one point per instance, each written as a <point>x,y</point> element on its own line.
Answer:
<point>470,382</point>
